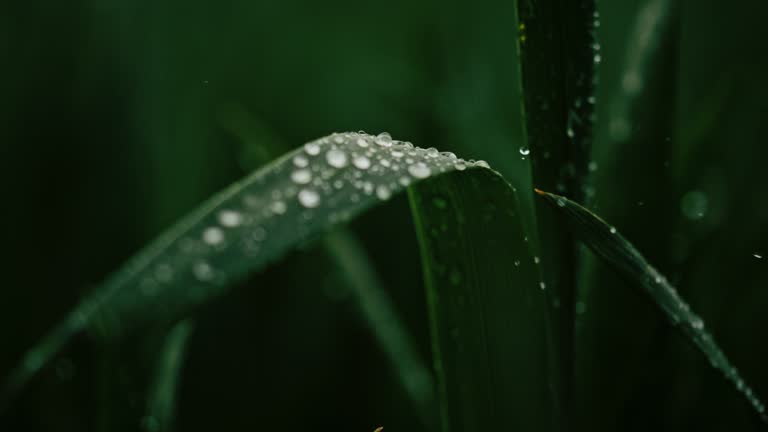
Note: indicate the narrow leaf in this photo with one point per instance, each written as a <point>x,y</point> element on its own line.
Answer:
<point>487,307</point>
<point>611,246</point>
<point>293,200</point>
<point>558,61</point>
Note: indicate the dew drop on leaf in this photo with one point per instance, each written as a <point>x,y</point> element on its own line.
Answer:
<point>384,139</point>
<point>302,176</point>
<point>361,162</point>
<point>419,170</point>
<point>336,158</point>
<point>213,236</point>
<point>309,198</point>
<point>230,218</point>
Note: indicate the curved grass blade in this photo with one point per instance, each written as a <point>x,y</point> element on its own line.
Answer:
<point>608,244</point>
<point>260,145</point>
<point>260,219</point>
<point>487,306</point>
<point>161,404</point>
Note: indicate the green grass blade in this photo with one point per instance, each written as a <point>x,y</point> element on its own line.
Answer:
<point>386,325</point>
<point>604,240</point>
<point>487,306</point>
<point>261,218</point>
<point>558,57</point>
<point>161,404</point>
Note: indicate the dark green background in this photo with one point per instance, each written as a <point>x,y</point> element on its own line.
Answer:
<point>117,117</point>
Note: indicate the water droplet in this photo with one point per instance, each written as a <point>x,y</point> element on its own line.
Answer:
<point>598,57</point>
<point>542,285</point>
<point>432,152</point>
<point>361,162</point>
<point>230,218</point>
<point>460,165</point>
<point>362,142</point>
<point>758,256</point>
<point>694,205</point>
<point>570,132</point>
<point>309,198</point>
<point>517,263</point>
<point>525,151</point>
<point>482,163</point>
<point>277,207</point>
<point>302,176</point>
<point>202,270</point>
<point>336,158</point>
<point>338,139</point>
<point>419,170</point>
<point>383,192</point>
<point>312,148</point>
<point>213,236</point>
<point>697,323</point>
<point>560,202</point>
<point>592,166</point>
<point>613,230</point>
<point>300,161</point>
<point>384,139</point>
<point>536,260</point>
<point>404,181</point>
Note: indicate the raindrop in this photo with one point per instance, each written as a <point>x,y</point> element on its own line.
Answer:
<point>525,151</point>
<point>203,271</point>
<point>302,176</point>
<point>383,192</point>
<point>300,161</point>
<point>230,218</point>
<point>213,235</point>
<point>419,170</point>
<point>694,205</point>
<point>312,148</point>
<point>384,139</point>
<point>277,207</point>
<point>361,162</point>
<point>309,198</point>
<point>336,158</point>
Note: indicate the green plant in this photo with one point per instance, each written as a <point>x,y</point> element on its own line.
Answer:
<point>504,279</point>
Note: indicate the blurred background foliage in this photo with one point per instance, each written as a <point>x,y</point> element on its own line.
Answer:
<point>118,117</point>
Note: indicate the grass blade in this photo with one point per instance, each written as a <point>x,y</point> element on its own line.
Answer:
<point>161,404</point>
<point>387,327</point>
<point>558,57</point>
<point>487,306</point>
<point>291,201</point>
<point>611,246</point>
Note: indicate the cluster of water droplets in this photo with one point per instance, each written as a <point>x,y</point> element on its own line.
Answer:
<point>326,181</point>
